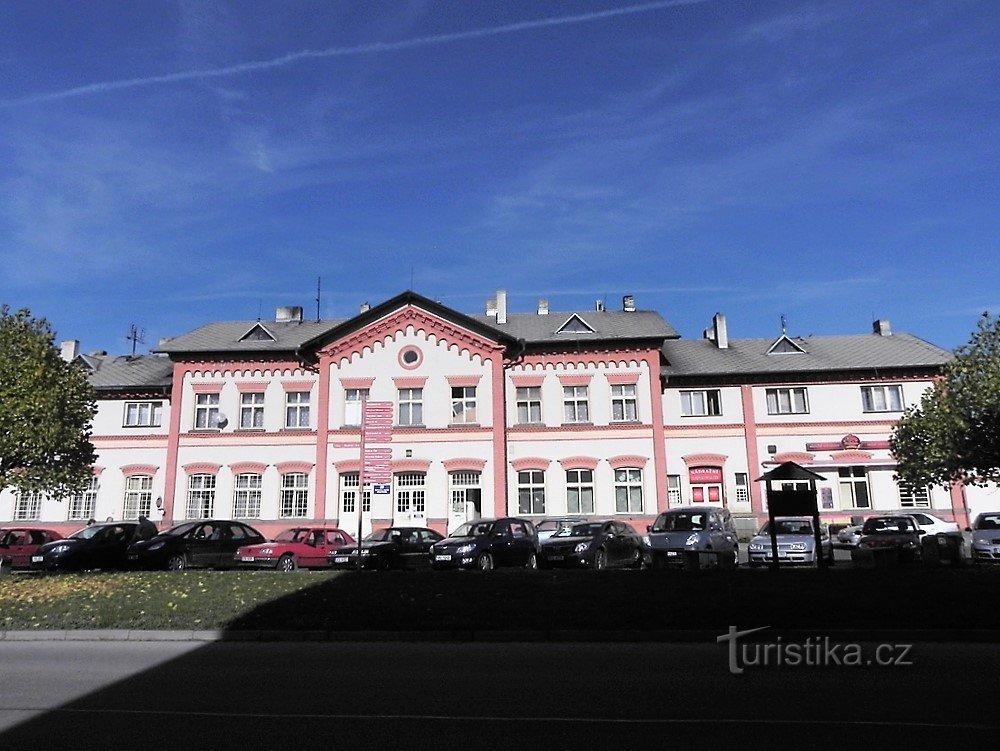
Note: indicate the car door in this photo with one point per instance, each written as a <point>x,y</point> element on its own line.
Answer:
<point>232,537</point>
<point>202,545</point>
<point>617,544</point>
<point>16,548</point>
<point>501,544</point>
<point>522,544</point>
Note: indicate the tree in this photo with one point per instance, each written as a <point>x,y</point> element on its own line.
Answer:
<point>953,435</point>
<point>46,408</point>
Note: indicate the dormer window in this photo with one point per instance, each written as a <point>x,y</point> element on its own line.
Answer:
<point>783,345</point>
<point>257,333</point>
<point>575,325</point>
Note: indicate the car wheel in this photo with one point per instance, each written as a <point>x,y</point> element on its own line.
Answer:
<point>637,561</point>
<point>287,563</point>
<point>484,562</point>
<point>732,560</point>
<point>600,560</point>
<point>532,562</point>
<point>176,563</point>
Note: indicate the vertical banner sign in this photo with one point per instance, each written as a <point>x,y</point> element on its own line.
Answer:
<point>376,453</point>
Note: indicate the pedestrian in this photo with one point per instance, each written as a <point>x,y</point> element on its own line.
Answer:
<point>147,529</point>
<point>91,521</point>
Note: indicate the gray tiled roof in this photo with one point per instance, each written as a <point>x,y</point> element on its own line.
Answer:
<point>607,324</point>
<point>144,372</point>
<point>226,336</point>
<point>694,357</point>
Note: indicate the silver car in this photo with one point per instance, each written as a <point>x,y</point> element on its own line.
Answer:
<point>796,542</point>
<point>693,537</point>
<point>552,524</point>
<point>986,538</point>
<point>849,537</point>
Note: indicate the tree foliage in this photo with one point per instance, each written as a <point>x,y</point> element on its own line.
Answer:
<point>46,408</point>
<point>953,435</point>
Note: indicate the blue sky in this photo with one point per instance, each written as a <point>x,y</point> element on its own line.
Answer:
<point>171,163</point>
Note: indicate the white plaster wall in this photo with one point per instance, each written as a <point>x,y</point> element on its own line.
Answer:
<point>110,418</point>
<point>732,407</point>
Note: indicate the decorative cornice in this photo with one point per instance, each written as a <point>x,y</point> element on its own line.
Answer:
<point>530,462</point>
<point>567,379</point>
<point>464,464</point>
<point>357,383</point>
<point>253,386</point>
<point>705,460</point>
<point>799,457</point>
<point>579,462</point>
<point>347,466</point>
<point>623,379</point>
<point>627,460</point>
<point>139,469</point>
<point>206,387</point>
<point>243,468</point>
<point>527,381</point>
<point>464,381</point>
<point>410,465</point>
<point>202,468</point>
<point>409,382</point>
<point>297,385</point>
<point>285,468</point>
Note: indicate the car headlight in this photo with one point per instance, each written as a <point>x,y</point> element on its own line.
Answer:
<point>693,539</point>
<point>797,546</point>
<point>266,551</point>
<point>156,545</point>
<point>758,546</point>
<point>581,547</point>
<point>465,549</point>
<point>645,540</point>
<point>365,551</point>
<point>60,549</point>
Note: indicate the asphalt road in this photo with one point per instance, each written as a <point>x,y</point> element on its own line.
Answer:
<point>174,696</point>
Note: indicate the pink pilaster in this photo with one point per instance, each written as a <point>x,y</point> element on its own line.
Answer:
<point>173,442</point>
<point>499,438</point>
<point>750,439</point>
<point>322,435</point>
<point>659,433</point>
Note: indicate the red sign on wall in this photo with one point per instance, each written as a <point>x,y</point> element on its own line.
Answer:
<point>376,435</point>
<point>705,475</point>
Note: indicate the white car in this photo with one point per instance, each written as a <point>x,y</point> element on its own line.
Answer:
<point>934,525</point>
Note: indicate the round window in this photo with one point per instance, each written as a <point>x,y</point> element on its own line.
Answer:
<point>410,357</point>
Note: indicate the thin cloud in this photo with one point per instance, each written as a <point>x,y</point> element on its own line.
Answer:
<point>361,49</point>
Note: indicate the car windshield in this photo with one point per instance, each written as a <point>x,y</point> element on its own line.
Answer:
<point>546,524</point>
<point>578,530</point>
<point>888,526</point>
<point>788,527</point>
<point>680,521</point>
<point>473,529</point>
<point>181,529</point>
<point>292,535</point>
<point>988,521</point>
<point>88,532</point>
<point>379,535</point>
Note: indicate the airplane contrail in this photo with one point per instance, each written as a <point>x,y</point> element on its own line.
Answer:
<point>361,49</point>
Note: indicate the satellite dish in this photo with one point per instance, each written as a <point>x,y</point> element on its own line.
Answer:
<point>221,421</point>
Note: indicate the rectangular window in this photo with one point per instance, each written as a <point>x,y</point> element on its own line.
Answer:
<point>28,507</point>
<point>701,403</point>
<point>297,409</point>
<point>463,405</point>
<point>143,415</point>
<point>247,495</point>
<point>349,495</point>
<point>791,401</point>
<point>911,496</point>
<point>81,505</point>
<point>579,491</point>
<point>411,406</point>
<point>576,405</point>
<point>461,482</point>
<point>623,403</point>
<point>138,496</point>
<point>206,411</point>
<point>854,488</point>
<point>252,410</point>
<point>673,490</point>
<point>531,492</point>
<point>201,497</point>
<point>628,491</point>
<point>882,398</point>
<point>294,499</point>
<point>742,487</point>
<point>353,399</point>
<point>410,493</point>
<point>529,404</point>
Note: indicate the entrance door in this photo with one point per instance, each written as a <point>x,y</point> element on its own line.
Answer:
<point>466,505</point>
<point>706,494</point>
<point>410,500</point>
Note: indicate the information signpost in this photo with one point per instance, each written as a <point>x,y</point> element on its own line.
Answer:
<point>376,455</point>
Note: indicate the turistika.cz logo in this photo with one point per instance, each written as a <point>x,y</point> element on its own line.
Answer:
<point>813,652</point>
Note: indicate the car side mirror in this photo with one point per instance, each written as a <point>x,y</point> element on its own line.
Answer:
<point>968,529</point>
<point>921,531</point>
<point>649,527</point>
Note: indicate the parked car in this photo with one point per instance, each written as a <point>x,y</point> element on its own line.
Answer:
<point>18,544</point>
<point>897,534</point>
<point>693,537</point>
<point>206,543</point>
<point>796,542</point>
<point>550,525</point>
<point>935,525</point>
<point>100,546</point>
<point>487,544</point>
<point>849,537</point>
<point>592,544</point>
<point>298,547</point>
<point>393,547</point>
<point>986,538</point>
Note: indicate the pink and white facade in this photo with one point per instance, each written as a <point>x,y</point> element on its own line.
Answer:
<point>599,412</point>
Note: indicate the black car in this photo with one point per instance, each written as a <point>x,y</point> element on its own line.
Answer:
<point>100,546</point>
<point>395,547</point>
<point>592,544</point>
<point>206,543</point>
<point>487,544</point>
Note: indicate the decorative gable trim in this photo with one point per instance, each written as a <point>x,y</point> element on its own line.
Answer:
<point>258,333</point>
<point>784,345</point>
<point>575,325</point>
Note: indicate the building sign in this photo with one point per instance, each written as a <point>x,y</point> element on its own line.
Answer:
<point>705,475</point>
<point>376,437</point>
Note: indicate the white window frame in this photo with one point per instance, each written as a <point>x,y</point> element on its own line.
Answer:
<point>297,410</point>
<point>528,401</point>
<point>138,499</point>
<point>882,398</point>
<point>411,407</point>
<point>81,505</point>
<point>247,495</point>
<point>579,491</point>
<point>27,507</point>
<point>252,410</point>
<point>673,490</point>
<point>911,496</point>
<point>624,403</point>
<point>792,400</point>
<point>531,492</point>
<point>353,400</point>
<point>201,496</point>
<point>628,490</point>
<point>742,487</point>
<point>142,415</point>
<point>701,403</point>
<point>463,405</point>
<point>460,482</point>
<point>411,488</point>
<point>576,404</point>
<point>206,411</point>
<point>293,499</point>
<point>349,482</point>
<point>848,487</point>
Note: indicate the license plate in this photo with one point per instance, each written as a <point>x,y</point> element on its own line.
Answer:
<point>247,559</point>
<point>556,557</point>
<point>37,558</point>
<point>671,553</point>
<point>340,559</point>
<point>133,556</point>
<point>442,558</point>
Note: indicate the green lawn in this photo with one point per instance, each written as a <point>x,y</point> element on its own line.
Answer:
<point>957,600</point>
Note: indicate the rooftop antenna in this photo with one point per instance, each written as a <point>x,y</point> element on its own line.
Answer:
<point>784,324</point>
<point>136,336</point>
<point>319,281</point>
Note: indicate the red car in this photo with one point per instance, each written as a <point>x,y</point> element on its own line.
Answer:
<point>305,547</point>
<point>18,544</point>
